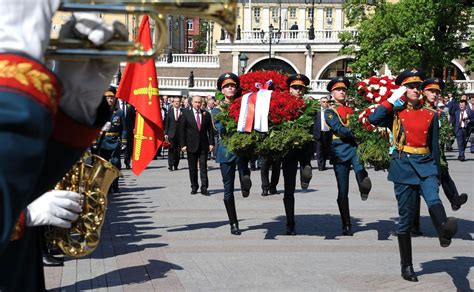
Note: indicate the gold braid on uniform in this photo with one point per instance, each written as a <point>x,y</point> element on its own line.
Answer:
<point>398,138</point>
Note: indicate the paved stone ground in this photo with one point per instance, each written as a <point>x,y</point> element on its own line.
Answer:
<point>159,237</point>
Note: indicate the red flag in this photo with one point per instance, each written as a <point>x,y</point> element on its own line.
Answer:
<point>139,87</point>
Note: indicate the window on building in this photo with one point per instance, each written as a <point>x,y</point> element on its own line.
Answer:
<point>338,68</point>
<point>328,12</point>
<point>310,12</point>
<point>275,12</point>
<point>292,12</point>
<point>190,24</point>
<point>190,44</point>
<point>256,14</point>
<point>237,12</point>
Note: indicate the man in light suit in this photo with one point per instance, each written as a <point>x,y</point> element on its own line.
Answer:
<point>197,139</point>
<point>171,133</point>
<point>322,135</point>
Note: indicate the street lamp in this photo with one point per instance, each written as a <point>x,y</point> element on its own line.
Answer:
<point>243,58</point>
<point>271,39</point>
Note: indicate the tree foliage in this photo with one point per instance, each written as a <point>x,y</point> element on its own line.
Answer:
<point>410,33</point>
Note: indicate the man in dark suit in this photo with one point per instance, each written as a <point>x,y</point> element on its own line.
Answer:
<point>197,139</point>
<point>171,133</point>
<point>461,122</point>
<point>322,135</point>
<point>130,114</point>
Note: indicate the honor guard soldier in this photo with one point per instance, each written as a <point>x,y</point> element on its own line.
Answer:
<point>229,85</point>
<point>415,164</point>
<point>343,151</point>
<point>431,91</point>
<point>297,86</point>
<point>48,120</point>
<point>114,135</point>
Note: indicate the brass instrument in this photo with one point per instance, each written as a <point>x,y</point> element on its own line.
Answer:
<point>223,12</point>
<point>92,181</point>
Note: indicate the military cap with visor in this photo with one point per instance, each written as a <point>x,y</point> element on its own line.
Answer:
<point>338,82</point>
<point>433,83</point>
<point>297,80</point>
<point>410,76</point>
<point>228,78</point>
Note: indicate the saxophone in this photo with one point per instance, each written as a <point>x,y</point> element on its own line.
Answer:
<point>91,180</point>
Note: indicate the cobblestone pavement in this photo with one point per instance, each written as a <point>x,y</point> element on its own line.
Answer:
<point>159,237</point>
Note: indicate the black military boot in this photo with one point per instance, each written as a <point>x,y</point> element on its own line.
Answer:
<point>404,244</point>
<point>446,227</point>
<point>232,214</point>
<point>416,230</point>
<point>343,205</point>
<point>306,175</point>
<point>459,201</point>
<point>290,215</point>
<point>245,185</point>
<point>365,185</point>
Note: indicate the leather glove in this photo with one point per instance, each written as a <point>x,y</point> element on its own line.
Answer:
<point>397,97</point>
<point>57,208</point>
<point>106,127</point>
<point>85,81</point>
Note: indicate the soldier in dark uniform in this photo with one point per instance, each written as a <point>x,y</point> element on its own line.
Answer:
<point>297,86</point>
<point>414,167</point>
<point>229,85</point>
<point>113,135</point>
<point>431,91</point>
<point>344,151</point>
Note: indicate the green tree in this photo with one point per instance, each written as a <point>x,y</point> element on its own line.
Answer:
<point>201,38</point>
<point>410,33</point>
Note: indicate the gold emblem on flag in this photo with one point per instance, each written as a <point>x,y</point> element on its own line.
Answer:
<point>139,137</point>
<point>150,91</point>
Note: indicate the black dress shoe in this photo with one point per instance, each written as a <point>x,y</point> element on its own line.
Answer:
<point>273,192</point>
<point>170,168</point>
<point>234,229</point>
<point>50,261</point>
<point>193,192</point>
<point>127,166</point>
<point>462,158</point>
<point>176,168</point>
<point>415,232</point>
<point>204,192</point>
<point>264,193</point>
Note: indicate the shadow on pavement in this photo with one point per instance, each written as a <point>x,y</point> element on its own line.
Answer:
<point>156,269</point>
<point>196,226</point>
<point>458,269</point>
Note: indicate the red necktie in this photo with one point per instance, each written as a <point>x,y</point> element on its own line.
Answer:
<point>198,120</point>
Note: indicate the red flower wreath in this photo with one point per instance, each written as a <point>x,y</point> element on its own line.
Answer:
<point>377,89</point>
<point>283,106</point>
<point>364,118</point>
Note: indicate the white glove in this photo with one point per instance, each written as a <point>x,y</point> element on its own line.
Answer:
<point>395,98</point>
<point>57,208</point>
<point>84,82</point>
<point>26,26</point>
<point>107,127</point>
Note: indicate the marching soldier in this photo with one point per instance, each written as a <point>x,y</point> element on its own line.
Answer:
<point>415,163</point>
<point>229,85</point>
<point>344,151</point>
<point>297,87</point>
<point>114,135</point>
<point>431,91</point>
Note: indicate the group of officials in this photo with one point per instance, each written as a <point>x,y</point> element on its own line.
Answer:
<point>57,114</point>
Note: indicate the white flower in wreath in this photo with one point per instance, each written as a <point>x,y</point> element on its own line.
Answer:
<point>383,90</point>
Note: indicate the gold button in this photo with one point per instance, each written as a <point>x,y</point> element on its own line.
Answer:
<point>408,144</point>
<point>425,132</point>
<point>407,132</point>
<point>403,120</point>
